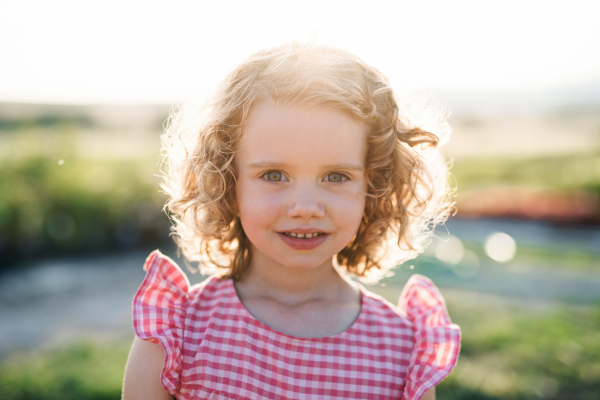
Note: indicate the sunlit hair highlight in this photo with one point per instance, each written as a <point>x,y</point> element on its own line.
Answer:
<point>407,177</point>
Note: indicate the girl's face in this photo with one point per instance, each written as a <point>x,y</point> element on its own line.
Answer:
<point>300,183</point>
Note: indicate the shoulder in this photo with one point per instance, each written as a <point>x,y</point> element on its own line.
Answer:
<point>420,305</point>
<point>379,306</point>
<point>384,322</point>
<point>165,278</point>
<point>167,296</point>
<point>423,303</point>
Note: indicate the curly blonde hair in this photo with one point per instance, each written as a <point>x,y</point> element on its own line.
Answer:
<point>407,177</point>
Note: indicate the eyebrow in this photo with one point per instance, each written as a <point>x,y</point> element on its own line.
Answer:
<point>342,166</point>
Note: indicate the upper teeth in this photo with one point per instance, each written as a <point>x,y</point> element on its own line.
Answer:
<point>302,235</point>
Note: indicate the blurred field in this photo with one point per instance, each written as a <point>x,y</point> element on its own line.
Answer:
<point>80,207</point>
<point>79,180</point>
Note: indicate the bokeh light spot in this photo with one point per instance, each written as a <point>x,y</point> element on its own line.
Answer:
<point>500,247</point>
<point>450,250</point>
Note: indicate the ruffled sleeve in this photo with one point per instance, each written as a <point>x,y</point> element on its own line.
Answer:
<point>437,340</point>
<point>159,313</point>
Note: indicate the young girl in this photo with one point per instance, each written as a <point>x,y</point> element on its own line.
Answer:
<point>301,171</point>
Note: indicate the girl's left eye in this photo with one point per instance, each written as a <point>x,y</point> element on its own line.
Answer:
<point>336,177</point>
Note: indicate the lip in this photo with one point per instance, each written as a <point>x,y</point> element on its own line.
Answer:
<point>303,230</point>
<point>303,244</point>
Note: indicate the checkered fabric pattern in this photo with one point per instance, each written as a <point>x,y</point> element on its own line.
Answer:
<point>215,349</point>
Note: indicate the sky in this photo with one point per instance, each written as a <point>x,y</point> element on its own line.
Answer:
<point>130,52</point>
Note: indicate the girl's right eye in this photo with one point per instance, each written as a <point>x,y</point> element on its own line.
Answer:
<point>274,176</point>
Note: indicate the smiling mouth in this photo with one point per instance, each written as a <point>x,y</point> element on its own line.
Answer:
<point>303,235</point>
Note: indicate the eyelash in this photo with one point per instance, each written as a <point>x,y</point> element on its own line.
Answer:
<point>345,177</point>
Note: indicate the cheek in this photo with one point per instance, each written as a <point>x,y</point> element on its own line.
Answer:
<point>256,208</point>
<point>348,212</point>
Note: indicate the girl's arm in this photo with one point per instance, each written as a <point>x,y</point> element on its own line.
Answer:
<point>142,374</point>
<point>429,395</point>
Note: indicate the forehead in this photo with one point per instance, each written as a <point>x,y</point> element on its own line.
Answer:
<point>291,131</point>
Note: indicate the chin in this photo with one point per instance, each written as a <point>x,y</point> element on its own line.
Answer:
<point>301,265</point>
<point>285,257</point>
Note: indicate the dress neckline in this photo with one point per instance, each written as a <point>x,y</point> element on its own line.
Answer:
<point>355,325</point>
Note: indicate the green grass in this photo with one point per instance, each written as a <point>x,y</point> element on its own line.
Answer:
<point>525,356</point>
<point>84,371</point>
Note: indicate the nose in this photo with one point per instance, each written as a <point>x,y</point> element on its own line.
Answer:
<point>306,204</point>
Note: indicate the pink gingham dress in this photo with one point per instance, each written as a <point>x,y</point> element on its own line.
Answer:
<point>215,349</point>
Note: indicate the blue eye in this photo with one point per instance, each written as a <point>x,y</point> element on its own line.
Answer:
<point>336,177</point>
<point>274,176</point>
